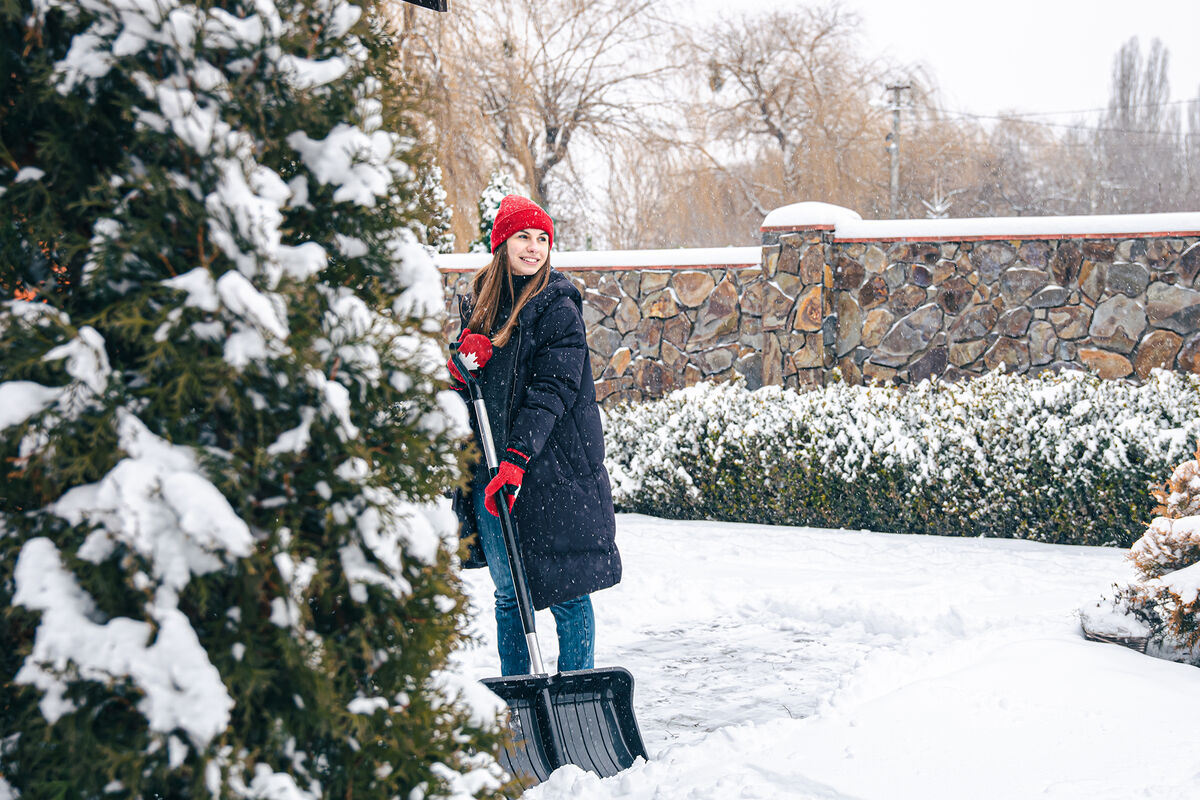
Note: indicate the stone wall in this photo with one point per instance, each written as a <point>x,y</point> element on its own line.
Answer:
<point>892,301</point>
<point>653,329</point>
<point>901,310</point>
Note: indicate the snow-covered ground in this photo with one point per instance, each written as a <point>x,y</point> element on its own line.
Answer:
<point>778,662</point>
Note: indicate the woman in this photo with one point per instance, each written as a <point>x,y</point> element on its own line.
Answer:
<point>541,400</point>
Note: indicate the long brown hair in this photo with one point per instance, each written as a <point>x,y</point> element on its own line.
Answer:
<point>488,286</point>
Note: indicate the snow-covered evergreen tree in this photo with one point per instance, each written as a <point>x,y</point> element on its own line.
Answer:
<point>433,228</point>
<point>224,572</point>
<point>501,184</point>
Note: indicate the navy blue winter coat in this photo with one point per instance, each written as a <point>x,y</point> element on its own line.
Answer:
<point>564,511</point>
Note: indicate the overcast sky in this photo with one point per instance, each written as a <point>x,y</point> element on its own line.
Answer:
<point>1020,55</point>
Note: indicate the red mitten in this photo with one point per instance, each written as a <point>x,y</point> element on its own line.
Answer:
<point>509,474</point>
<point>474,349</point>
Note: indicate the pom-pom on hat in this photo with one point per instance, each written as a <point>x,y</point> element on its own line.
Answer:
<point>516,214</point>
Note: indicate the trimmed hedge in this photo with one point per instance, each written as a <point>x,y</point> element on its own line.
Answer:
<point>1064,458</point>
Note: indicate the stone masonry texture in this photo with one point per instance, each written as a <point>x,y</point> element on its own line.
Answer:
<point>816,309</point>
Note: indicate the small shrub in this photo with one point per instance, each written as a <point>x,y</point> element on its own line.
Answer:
<point>1167,545</point>
<point>1165,602</point>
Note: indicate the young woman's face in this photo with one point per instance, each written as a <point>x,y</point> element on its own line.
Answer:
<point>528,250</point>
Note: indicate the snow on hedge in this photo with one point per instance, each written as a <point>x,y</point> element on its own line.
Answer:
<point>1000,455</point>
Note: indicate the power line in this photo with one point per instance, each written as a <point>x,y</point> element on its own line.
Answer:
<point>1091,110</point>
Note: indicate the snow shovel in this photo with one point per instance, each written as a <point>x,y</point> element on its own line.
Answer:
<point>582,717</point>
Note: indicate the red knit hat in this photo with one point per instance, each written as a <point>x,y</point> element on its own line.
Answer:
<point>516,214</point>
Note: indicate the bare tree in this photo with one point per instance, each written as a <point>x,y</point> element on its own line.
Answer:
<point>1192,153</point>
<point>543,74</point>
<point>1139,142</point>
<point>1027,170</point>
<point>543,89</point>
<point>662,195</point>
<point>789,86</point>
<point>637,175</point>
<point>433,48</point>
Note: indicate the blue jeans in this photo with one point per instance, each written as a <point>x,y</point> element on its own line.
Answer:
<point>574,619</point>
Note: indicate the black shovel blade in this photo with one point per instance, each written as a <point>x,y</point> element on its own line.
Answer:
<point>584,717</point>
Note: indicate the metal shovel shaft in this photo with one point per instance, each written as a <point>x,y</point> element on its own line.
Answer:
<point>515,565</point>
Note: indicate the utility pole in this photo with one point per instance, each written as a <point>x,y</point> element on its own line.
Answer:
<point>893,146</point>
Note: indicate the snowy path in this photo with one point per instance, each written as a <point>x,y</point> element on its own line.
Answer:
<point>799,663</point>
